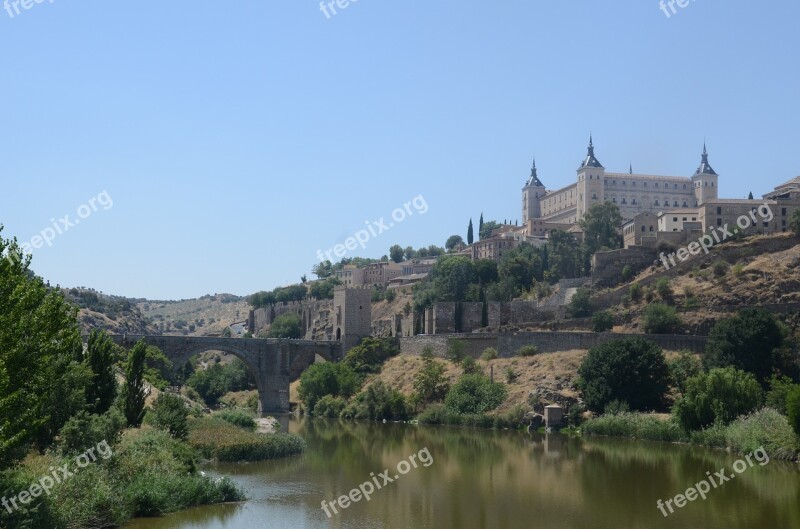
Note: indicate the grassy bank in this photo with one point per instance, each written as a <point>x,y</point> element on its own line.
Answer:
<point>148,474</point>
<point>765,428</point>
<point>216,438</point>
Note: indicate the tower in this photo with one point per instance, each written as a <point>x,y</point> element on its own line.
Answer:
<point>531,193</point>
<point>591,175</point>
<point>352,313</point>
<point>705,181</point>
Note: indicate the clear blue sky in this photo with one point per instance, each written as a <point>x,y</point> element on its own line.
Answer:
<point>238,138</point>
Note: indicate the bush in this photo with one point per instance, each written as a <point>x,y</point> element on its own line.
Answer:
<point>378,402</point>
<point>627,273</point>
<point>766,428</point>
<point>470,366</point>
<point>718,396</point>
<point>474,394</point>
<point>580,305</point>
<point>490,353</point>
<point>455,349</point>
<point>683,368</point>
<point>329,407</point>
<point>528,350</point>
<point>602,321</point>
<point>779,390</point>
<point>511,375</point>
<point>793,408</point>
<point>430,384</point>
<point>632,370</point>
<point>664,289</point>
<point>327,378</point>
<point>237,418</point>
<point>85,430</point>
<point>635,292</point>
<point>218,379</point>
<point>720,268</point>
<point>615,407</point>
<point>660,319</point>
<point>287,325</point>
<point>170,414</point>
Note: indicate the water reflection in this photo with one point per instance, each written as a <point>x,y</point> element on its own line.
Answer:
<point>483,479</point>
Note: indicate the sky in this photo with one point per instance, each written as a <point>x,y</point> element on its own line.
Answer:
<point>209,147</point>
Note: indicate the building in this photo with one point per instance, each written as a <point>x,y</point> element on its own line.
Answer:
<point>633,193</point>
<point>379,274</point>
<point>351,276</point>
<point>417,266</point>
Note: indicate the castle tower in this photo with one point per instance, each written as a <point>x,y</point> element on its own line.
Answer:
<point>352,315</point>
<point>531,193</point>
<point>705,180</point>
<point>591,175</point>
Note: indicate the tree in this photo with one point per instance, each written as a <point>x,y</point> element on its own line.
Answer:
<point>451,276</point>
<point>324,289</point>
<point>631,370</point>
<point>430,384</point>
<point>170,414</point>
<point>42,374</point>
<point>522,265</point>
<point>487,228</point>
<point>750,341</point>
<point>102,390</point>
<point>718,396</point>
<point>660,319</point>
<point>396,253</point>
<point>323,269</point>
<point>480,227</point>
<point>563,256</point>
<point>793,408</point>
<point>486,271</point>
<point>133,392</point>
<point>470,235</point>
<point>750,196</point>
<point>580,305</point>
<point>287,325</point>
<point>370,354</point>
<point>601,226</point>
<point>327,378</point>
<point>453,242</point>
<point>602,321</point>
<point>683,368</point>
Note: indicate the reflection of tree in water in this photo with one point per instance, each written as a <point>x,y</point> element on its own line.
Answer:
<point>635,474</point>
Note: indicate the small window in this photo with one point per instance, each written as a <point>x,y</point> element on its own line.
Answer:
<point>656,202</point>
<point>644,228</point>
<point>674,219</point>
<point>719,222</point>
<point>783,212</point>
<point>684,219</point>
<point>633,201</point>
<point>623,201</point>
<point>719,210</point>
<point>651,227</point>
<point>656,184</point>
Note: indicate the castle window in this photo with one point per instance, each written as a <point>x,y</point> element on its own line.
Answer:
<point>656,202</point>
<point>675,203</point>
<point>651,228</point>
<point>633,183</point>
<point>712,184</point>
<point>675,219</point>
<point>614,199</point>
<point>633,201</point>
<point>656,184</point>
<point>684,205</point>
<point>676,186</point>
<point>684,186</point>
<point>719,210</point>
<point>644,228</point>
<point>623,201</point>
<point>594,196</point>
<point>624,183</point>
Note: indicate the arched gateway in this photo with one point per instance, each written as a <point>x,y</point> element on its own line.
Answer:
<point>274,363</point>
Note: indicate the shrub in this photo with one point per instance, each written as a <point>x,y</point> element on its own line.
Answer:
<point>216,439</point>
<point>766,428</point>
<point>470,366</point>
<point>327,378</point>
<point>631,370</point>
<point>602,321</point>
<point>528,350</point>
<point>287,325</point>
<point>490,353</point>
<point>430,384</point>
<point>664,289</point>
<point>627,273</point>
<point>718,396</point>
<point>580,305</point>
<point>793,408</point>
<point>378,402</point>
<point>218,379</point>
<point>683,368</point>
<point>720,268</point>
<point>237,418</point>
<point>660,319</point>
<point>511,375</point>
<point>615,407</point>
<point>329,407</point>
<point>635,292</point>
<point>636,425</point>
<point>170,414</point>
<point>84,430</point>
<point>779,390</point>
<point>455,349</point>
<point>474,394</point>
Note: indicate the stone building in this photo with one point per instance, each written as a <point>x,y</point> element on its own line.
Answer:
<point>379,274</point>
<point>350,276</point>
<point>633,193</point>
<point>352,314</point>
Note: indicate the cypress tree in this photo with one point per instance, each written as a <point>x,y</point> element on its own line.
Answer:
<point>134,385</point>
<point>470,236</point>
<point>102,390</point>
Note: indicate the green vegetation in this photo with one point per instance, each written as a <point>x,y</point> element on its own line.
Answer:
<point>630,370</point>
<point>370,354</point>
<point>279,295</point>
<point>660,319</point>
<point>170,414</point>
<point>326,378</point>
<point>683,368</point>
<point>237,418</point>
<point>218,379</point>
<point>215,438</point>
<point>776,397</point>
<point>133,394</point>
<point>470,366</point>
<point>378,402</point>
<point>430,385</point>
<point>636,425</point>
<point>580,305</point>
<point>490,353</point>
<point>718,396</point>
<point>287,325</point>
<point>324,289</point>
<point>474,394</point>
<point>330,407</point>
<point>602,321</point>
<point>100,358</point>
<point>528,350</point>
<point>793,408</point>
<point>455,349</point>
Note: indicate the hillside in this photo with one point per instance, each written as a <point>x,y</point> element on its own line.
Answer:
<point>209,314</point>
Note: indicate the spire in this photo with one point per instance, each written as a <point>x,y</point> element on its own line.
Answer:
<point>705,167</point>
<point>534,181</point>
<point>630,169</point>
<point>590,160</point>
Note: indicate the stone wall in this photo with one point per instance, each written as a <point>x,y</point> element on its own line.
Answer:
<point>507,344</point>
<point>607,266</point>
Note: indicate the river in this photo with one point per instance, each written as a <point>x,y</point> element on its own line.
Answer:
<point>483,479</point>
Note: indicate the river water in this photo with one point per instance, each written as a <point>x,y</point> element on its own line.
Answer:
<point>483,479</point>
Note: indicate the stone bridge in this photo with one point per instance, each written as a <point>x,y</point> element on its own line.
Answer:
<point>274,363</point>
